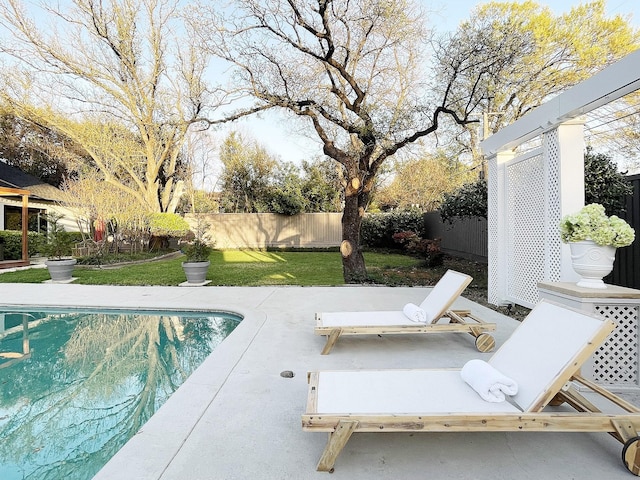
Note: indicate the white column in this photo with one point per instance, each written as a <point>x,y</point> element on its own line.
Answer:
<point>571,150</point>
<point>497,227</point>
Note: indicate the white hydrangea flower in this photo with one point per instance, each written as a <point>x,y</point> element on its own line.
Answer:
<point>592,223</point>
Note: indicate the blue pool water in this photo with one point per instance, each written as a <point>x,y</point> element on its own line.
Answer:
<point>75,386</point>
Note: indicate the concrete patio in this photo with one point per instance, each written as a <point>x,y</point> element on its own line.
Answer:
<point>236,417</point>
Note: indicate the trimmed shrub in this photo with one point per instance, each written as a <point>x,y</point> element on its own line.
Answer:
<point>164,225</point>
<point>12,243</point>
<point>428,250</point>
<point>469,201</point>
<point>168,225</point>
<point>378,228</point>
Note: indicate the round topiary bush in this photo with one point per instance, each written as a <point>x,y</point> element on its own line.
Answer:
<point>165,225</point>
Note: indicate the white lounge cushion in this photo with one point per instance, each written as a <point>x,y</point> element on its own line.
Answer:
<point>391,392</point>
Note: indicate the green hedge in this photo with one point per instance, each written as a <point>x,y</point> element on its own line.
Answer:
<point>11,241</point>
<point>470,200</point>
<point>378,228</point>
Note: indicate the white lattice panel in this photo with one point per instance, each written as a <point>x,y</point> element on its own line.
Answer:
<point>616,361</point>
<point>492,227</point>
<point>553,210</point>
<point>526,227</point>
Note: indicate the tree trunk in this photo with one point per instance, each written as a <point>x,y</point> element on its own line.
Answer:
<point>353,266</point>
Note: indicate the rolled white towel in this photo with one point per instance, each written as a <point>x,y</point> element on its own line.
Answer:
<point>490,384</point>
<point>414,313</point>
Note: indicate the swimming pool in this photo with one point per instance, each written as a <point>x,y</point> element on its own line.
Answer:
<point>76,385</point>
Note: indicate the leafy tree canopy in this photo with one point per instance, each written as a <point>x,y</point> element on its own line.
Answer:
<point>248,170</point>
<point>469,201</point>
<point>513,56</point>
<point>322,185</point>
<point>35,149</point>
<point>604,184</point>
<point>423,183</point>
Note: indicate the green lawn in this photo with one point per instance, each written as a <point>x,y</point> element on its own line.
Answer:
<point>237,268</point>
<point>258,268</point>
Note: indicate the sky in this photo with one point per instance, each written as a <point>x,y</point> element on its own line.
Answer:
<point>279,134</point>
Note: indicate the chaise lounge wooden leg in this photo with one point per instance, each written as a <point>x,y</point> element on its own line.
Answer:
<point>578,401</point>
<point>484,342</point>
<point>335,444</point>
<point>331,340</point>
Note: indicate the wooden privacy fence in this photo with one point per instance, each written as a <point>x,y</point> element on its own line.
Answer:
<point>262,230</point>
<point>464,237</point>
<point>626,268</point>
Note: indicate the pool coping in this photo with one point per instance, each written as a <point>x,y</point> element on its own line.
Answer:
<point>164,434</point>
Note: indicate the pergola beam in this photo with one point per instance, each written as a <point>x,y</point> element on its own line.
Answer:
<point>612,83</point>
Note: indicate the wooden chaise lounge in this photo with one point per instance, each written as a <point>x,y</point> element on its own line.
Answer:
<point>543,356</point>
<point>436,305</point>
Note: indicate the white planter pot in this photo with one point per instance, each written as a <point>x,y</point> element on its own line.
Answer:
<point>196,272</point>
<point>61,270</point>
<point>592,262</point>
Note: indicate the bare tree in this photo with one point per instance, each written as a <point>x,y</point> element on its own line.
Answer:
<point>94,202</point>
<point>115,77</point>
<point>353,70</point>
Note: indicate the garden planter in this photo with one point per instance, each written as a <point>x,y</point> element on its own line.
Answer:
<point>196,272</point>
<point>592,262</point>
<point>61,270</point>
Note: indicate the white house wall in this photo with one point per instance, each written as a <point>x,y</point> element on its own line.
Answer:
<point>68,221</point>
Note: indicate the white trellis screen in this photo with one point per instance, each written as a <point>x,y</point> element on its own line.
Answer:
<point>529,193</point>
